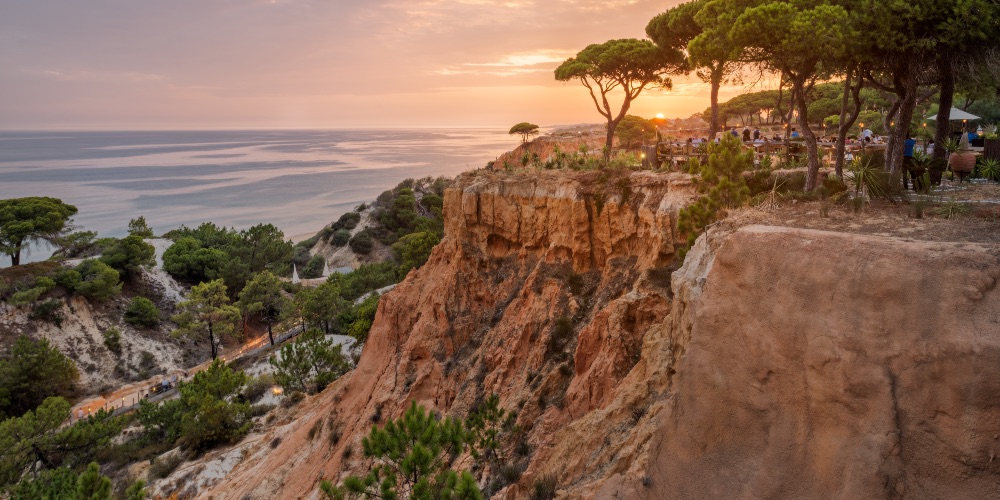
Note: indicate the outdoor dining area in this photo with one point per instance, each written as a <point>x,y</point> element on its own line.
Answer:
<point>788,150</point>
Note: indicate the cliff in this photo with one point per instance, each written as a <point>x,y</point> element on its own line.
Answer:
<point>775,362</point>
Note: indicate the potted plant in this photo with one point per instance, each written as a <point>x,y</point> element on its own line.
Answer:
<point>961,159</point>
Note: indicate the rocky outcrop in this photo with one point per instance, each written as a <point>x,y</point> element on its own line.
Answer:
<point>531,295</point>
<point>826,365</point>
<point>775,362</point>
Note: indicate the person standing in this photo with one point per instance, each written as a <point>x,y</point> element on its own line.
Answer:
<point>756,133</point>
<point>746,134</point>
<point>909,168</point>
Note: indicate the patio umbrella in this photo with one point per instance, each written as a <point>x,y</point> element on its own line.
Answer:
<point>956,114</point>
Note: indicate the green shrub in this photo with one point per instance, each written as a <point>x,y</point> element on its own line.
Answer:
<point>162,466</point>
<point>258,387</point>
<point>49,310</point>
<point>292,399</point>
<point>721,185</point>
<point>545,488</point>
<point>414,249</point>
<point>113,339</point>
<point>348,221</point>
<point>68,278</point>
<point>26,297</point>
<point>314,268</point>
<point>142,312</point>
<point>99,281</point>
<point>309,364</point>
<point>362,243</point>
<point>340,238</point>
<point>32,371</point>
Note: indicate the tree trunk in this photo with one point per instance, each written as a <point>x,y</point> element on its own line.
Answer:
<point>945,100</point>
<point>842,132</point>
<point>713,124</point>
<point>270,335</point>
<point>211,341</point>
<point>812,149</point>
<point>897,140</point>
<point>15,258</point>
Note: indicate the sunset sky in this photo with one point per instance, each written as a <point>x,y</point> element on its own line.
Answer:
<point>169,64</point>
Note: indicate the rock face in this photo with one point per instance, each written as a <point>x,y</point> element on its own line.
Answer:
<point>530,268</point>
<point>839,366</point>
<point>775,363</point>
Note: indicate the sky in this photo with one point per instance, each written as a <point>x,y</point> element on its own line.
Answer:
<point>211,64</point>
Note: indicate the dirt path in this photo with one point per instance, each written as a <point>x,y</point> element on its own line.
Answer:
<point>129,395</point>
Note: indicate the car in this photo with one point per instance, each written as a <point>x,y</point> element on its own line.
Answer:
<point>158,389</point>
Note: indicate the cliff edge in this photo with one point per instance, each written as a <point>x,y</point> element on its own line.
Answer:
<point>775,362</point>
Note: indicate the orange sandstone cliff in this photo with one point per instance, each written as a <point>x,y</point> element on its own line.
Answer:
<point>775,362</point>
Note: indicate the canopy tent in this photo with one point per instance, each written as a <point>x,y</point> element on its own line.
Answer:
<point>956,114</point>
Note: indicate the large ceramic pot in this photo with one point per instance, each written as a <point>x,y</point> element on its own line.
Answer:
<point>962,163</point>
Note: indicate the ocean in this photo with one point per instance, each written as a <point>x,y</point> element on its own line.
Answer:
<point>296,180</point>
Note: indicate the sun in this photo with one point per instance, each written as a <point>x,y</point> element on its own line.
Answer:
<point>659,116</point>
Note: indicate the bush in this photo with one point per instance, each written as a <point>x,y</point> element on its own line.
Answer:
<point>32,371</point>
<point>545,488</point>
<point>129,254</point>
<point>721,185</point>
<point>142,312</point>
<point>49,310</point>
<point>309,364</point>
<point>258,387</point>
<point>293,399</point>
<point>113,340</point>
<point>348,221</point>
<point>561,335</point>
<point>313,269</point>
<point>162,466</point>
<point>69,279</point>
<point>99,281</point>
<point>340,238</point>
<point>26,297</point>
<point>362,243</point>
<point>414,249</point>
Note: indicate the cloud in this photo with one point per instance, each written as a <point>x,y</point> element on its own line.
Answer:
<point>100,76</point>
<point>522,63</point>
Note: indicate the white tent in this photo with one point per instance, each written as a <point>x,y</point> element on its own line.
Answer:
<point>295,275</point>
<point>326,269</point>
<point>956,114</point>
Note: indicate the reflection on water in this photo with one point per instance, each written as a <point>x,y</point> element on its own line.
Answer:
<point>297,180</point>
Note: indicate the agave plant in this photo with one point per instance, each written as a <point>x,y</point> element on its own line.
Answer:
<point>951,145</point>
<point>869,181</point>
<point>989,169</point>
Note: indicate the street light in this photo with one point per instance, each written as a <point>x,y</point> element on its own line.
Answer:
<point>862,136</point>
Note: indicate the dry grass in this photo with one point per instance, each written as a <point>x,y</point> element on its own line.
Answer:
<point>981,224</point>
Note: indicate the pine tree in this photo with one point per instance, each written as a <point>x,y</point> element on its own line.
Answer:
<point>412,460</point>
<point>489,428</point>
<point>208,308</point>
<point>309,364</point>
<point>263,295</point>
<point>92,485</point>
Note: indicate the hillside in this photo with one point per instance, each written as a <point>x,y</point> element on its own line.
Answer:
<point>776,361</point>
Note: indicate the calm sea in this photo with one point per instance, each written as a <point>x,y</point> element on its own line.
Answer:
<point>297,180</point>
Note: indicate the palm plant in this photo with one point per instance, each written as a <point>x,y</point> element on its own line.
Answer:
<point>869,181</point>
<point>989,169</point>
